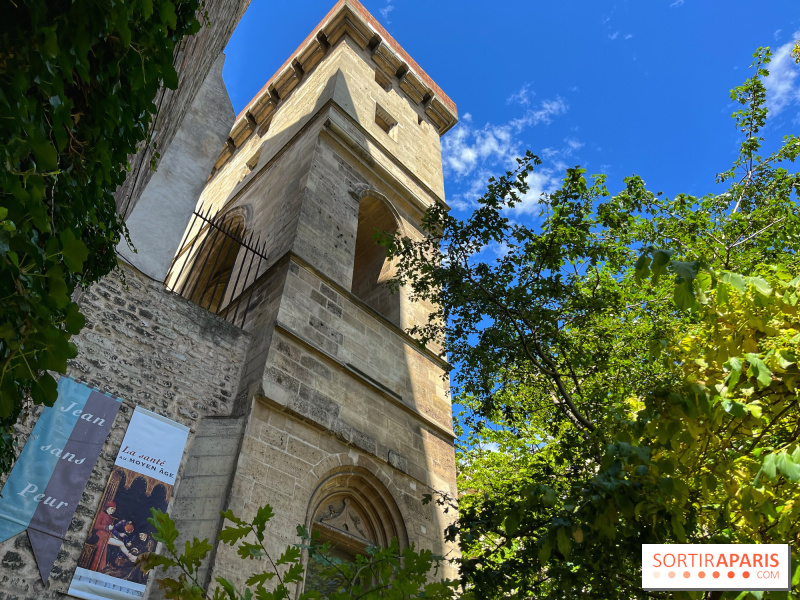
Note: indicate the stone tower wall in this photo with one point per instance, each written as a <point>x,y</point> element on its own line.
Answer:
<point>317,385</point>
<point>193,60</point>
<point>334,385</point>
<point>154,350</point>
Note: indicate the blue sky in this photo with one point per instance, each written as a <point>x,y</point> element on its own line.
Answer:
<point>636,86</point>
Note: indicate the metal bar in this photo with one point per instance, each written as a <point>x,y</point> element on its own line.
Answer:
<point>205,262</point>
<point>239,273</point>
<point>233,242</point>
<point>183,243</point>
<point>244,285</point>
<point>187,259</point>
<point>250,297</point>
<point>217,248</point>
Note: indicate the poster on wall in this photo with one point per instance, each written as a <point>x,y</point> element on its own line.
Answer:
<point>142,478</point>
<point>48,479</point>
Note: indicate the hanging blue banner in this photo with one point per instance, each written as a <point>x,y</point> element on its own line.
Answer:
<point>46,483</point>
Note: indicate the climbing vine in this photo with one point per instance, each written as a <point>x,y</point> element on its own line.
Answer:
<point>77,83</point>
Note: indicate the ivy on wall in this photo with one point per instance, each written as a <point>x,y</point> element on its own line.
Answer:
<point>77,83</point>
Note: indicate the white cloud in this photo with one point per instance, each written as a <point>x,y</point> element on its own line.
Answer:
<point>777,34</point>
<point>783,82</point>
<point>613,36</point>
<point>677,4</point>
<point>386,10</point>
<point>628,36</point>
<point>543,114</point>
<point>541,181</point>
<point>571,145</point>
<point>471,155</point>
<point>467,147</point>
<point>522,97</point>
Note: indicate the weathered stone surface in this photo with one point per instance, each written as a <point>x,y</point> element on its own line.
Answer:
<point>194,58</point>
<point>162,353</point>
<point>322,388</point>
<point>180,177</point>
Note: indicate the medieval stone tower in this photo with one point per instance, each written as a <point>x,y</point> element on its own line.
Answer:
<point>274,337</point>
<point>347,422</point>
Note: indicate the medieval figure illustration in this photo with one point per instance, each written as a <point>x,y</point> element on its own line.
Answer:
<point>126,565</point>
<point>103,524</point>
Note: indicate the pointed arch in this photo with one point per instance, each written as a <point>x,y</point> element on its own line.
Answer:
<point>215,260</point>
<point>351,509</point>
<point>371,268</point>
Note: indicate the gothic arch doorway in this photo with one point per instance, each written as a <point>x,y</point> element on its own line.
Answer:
<point>351,509</point>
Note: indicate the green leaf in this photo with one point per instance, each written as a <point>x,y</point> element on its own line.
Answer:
<point>228,587</point>
<point>46,154</point>
<point>74,320</point>
<point>166,10</point>
<point>7,331</point>
<point>677,527</point>
<point>787,467</point>
<point>759,370</point>
<point>50,45</point>
<point>511,523</point>
<point>564,542</point>
<point>294,574</point>
<point>661,259</point>
<point>685,270</point>
<point>248,550</point>
<point>683,296</point>
<point>761,286</point>
<point>58,290</point>
<point>642,268</point>
<point>231,535</point>
<point>194,552</point>
<point>260,578</point>
<point>44,390</point>
<point>170,78</point>
<point>73,250</point>
<point>735,280</point>
<point>769,466</point>
<point>544,551</point>
<point>291,555</point>
<point>263,515</point>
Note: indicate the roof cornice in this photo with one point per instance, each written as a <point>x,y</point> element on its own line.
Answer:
<point>347,18</point>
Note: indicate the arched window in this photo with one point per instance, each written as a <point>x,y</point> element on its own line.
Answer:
<point>371,268</point>
<point>214,262</point>
<point>351,509</point>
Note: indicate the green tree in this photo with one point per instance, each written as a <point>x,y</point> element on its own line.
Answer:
<point>387,573</point>
<point>77,83</point>
<point>628,368</point>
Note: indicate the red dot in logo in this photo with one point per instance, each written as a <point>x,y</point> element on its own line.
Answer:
<point>701,574</point>
<point>671,574</point>
<point>715,574</point>
<point>686,574</point>
<point>746,574</point>
<point>731,574</point>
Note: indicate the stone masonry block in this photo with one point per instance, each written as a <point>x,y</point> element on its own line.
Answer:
<point>398,461</point>
<point>303,451</point>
